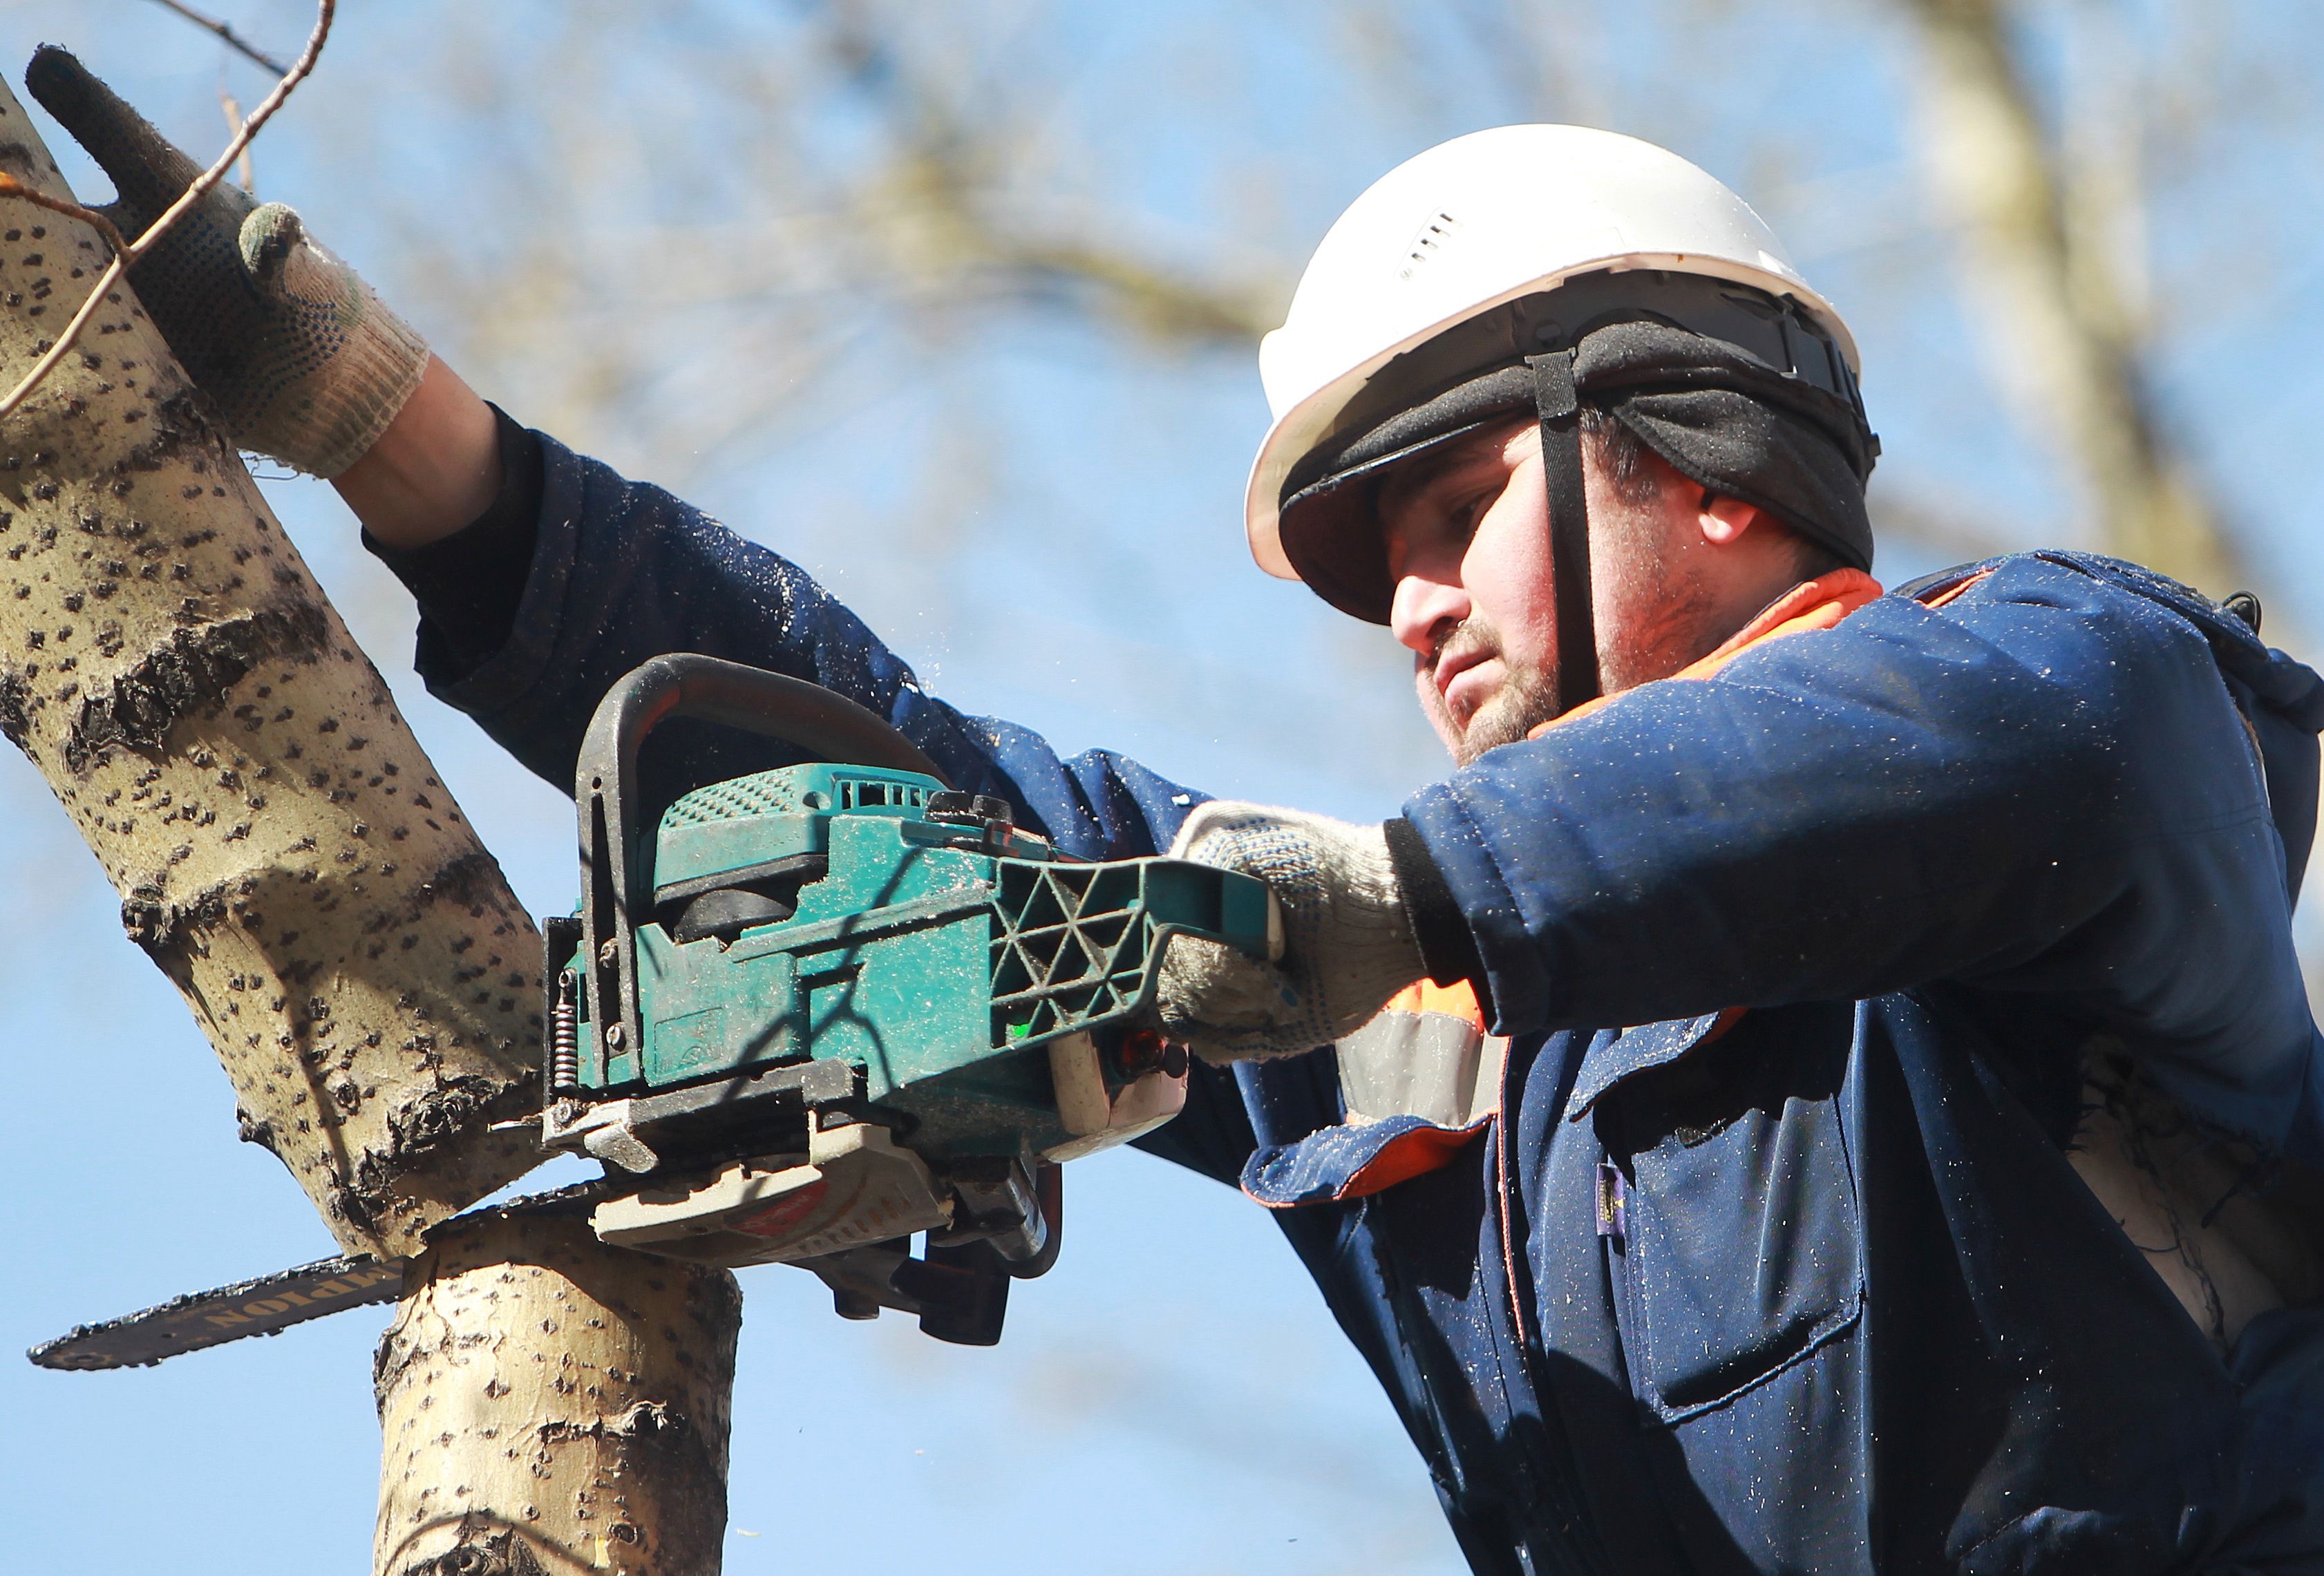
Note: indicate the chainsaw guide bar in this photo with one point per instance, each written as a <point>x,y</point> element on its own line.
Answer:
<point>265,1306</point>
<point>952,1301</point>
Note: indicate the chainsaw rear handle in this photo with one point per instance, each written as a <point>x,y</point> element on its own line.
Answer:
<point>826,726</point>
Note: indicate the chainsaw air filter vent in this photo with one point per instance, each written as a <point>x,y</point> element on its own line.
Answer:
<point>880,794</point>
<point>1069,946</point>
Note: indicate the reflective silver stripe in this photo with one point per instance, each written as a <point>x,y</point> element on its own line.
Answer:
<point>1414,1064</point>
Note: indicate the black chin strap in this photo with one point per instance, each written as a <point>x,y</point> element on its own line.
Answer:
<point>1569,526</point>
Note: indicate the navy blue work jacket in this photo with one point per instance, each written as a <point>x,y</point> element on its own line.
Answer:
<point>1854,1311</point>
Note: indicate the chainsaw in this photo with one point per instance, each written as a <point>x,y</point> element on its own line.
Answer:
<point>811,1015</point>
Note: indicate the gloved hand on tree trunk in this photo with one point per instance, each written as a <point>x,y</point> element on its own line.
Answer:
<point>299,358</point>
<point>1348,941</point>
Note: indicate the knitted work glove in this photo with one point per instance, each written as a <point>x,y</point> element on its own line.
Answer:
<point>298,357</point>
<point>1348,943</point>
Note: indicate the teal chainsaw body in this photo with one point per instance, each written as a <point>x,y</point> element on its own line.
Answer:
<point>813,1012</point>
<point>820,913</point>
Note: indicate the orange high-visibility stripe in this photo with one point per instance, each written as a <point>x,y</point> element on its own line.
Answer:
<point>1458,1000</point>
<point>1955,589</point>
<point>1408,1155</point>
<point>1813,605</point>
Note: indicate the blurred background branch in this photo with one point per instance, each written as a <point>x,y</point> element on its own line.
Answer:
<point>975,183</point>
<point>226,35</point>
<point>2049,216</point>
<point>943,213</point>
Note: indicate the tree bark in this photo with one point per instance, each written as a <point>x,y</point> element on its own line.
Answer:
<point>550,1405</point>
<point>282,848</point>
<point>285,852</point>
<point>2063,339</point>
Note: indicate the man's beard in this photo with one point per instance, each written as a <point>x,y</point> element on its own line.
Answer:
<point>1526,698</point>
<point>1674,626</point>
<point>1524,703</point>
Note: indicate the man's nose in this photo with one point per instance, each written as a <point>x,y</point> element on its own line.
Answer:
<point>1423,609</point>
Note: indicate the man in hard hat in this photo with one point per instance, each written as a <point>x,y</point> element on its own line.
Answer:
<point>1891,1147</point>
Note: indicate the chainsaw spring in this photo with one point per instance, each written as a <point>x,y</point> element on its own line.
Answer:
<point>564,1040</point>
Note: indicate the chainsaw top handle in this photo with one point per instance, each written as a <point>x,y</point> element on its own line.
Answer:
<point>826,726</point>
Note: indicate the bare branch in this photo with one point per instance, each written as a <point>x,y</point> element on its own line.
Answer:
<point>11,187</point>
<point>231,107</point>
<point>938,211</point>
<point>1166,305</point>
<point>124,257</point>
<point>2067,350</point>
<point>234,41</point>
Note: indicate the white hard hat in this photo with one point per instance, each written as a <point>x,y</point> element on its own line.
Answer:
<point>1469,225</point>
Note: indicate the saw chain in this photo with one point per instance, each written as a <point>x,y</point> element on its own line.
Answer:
<point>862,1280</point>
<point>265,1306</point>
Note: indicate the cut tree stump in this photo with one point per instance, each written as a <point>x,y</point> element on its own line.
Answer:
<point>552,1405</point>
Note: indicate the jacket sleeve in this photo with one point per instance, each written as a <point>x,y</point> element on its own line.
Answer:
<point>622,572</point>
<point>2041,793</point>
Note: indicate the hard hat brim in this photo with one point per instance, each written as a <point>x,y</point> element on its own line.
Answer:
<point>1330,527</point>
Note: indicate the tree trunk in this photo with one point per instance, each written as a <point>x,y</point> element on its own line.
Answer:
<point>285,852</point>
<point>550,1405</point>
<point>2065,341</point>
<point>282,846</point>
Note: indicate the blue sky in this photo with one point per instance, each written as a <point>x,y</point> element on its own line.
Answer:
<point>1044,516</point>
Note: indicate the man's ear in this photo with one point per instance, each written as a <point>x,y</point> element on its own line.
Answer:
<point>1723,521</point>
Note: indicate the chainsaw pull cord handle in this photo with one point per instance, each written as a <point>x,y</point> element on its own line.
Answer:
<point>827,726</point>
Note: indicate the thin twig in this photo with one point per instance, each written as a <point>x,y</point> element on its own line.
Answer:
<point>233,38</point>
<point>324,10</point>
<point>125,256</point>
<point>11,187</point>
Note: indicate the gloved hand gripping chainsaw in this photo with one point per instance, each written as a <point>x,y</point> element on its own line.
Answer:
<point>1348,938</point>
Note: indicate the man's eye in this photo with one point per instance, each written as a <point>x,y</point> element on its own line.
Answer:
<point>1461,519</point>
<point>1444,519</point>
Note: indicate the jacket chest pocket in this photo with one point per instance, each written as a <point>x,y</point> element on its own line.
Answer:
<point>1730,1200</point>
